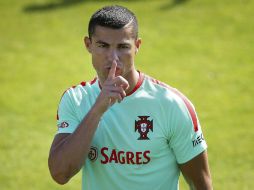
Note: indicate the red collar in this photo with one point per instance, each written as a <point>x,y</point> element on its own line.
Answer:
<point>140,81</point>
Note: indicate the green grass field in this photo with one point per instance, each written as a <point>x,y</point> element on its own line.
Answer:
<point>203,48</point>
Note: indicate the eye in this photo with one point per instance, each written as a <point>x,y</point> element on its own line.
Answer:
<point>124,46</point>
<point>102,45</point>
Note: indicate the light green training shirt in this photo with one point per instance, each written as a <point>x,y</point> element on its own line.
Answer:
<point>140,141</point>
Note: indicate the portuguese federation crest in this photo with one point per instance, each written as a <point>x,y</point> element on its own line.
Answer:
<point>143,126</point>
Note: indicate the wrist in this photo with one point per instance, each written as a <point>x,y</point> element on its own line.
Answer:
<point>98,109</point>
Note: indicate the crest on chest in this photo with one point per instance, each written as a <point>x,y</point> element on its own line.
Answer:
<point>143,126</point>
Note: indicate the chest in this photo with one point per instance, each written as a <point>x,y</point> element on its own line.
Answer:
<point>133,134</point>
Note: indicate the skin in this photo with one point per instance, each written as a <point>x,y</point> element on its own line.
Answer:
<point>113,52</point>
<point>196,172</point>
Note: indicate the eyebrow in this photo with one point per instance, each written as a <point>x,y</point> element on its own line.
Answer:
<point>105,43</point>
<point>101,42</point>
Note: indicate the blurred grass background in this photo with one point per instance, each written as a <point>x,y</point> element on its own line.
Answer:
<point>203,48</point>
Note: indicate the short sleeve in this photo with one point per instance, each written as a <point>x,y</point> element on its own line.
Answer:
<point>187,140</point>
<point>67,120</point>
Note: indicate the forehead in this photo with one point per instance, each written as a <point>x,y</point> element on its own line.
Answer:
<point>110,35</point>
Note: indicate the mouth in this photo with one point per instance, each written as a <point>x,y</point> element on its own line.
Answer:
<point>118,70</point>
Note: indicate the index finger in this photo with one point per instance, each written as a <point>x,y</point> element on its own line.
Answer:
<point>112,70</point>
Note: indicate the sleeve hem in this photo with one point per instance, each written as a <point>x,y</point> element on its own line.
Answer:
<point>194,154</point>
<point>64,131</point>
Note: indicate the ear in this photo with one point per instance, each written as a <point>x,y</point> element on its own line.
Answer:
<point>88,43</point>
<point>137,45</point>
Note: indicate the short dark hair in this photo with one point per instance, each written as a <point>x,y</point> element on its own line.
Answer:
<point>115,17</point>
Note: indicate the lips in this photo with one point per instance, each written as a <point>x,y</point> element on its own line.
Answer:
<point>118,70</point>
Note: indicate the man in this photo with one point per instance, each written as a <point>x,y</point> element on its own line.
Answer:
<point>125,129</point>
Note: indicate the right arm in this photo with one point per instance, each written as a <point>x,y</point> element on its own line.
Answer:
<point>69,151</point>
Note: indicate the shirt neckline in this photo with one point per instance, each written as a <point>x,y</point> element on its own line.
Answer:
<point>136,87</point>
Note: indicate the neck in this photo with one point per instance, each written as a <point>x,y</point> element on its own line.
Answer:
<point>132,78</point>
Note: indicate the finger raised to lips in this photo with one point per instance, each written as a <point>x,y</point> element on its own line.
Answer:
<point>112,71</point>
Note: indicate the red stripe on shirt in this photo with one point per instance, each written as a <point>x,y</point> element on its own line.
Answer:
<point>83,83</point>
<point>185,100</point>
<point>57,116</point>
<point>93,81</point>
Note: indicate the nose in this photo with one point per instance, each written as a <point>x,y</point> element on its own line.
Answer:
<point>113,55</point>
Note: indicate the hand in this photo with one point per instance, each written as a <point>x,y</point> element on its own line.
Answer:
<point>113,89</point>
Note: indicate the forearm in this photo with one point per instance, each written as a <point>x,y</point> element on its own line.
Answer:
<point>67,158</point>
<point>196,173</point>
<point>202,185</point>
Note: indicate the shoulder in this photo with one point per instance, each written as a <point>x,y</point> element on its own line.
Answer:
<point>75,94</point>
<point>80,89</point>
<point>163,90</point>
<point>172,98</point>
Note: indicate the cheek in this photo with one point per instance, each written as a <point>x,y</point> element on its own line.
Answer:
<point>96,63</point>
<point>99,51</point>
<point>97,58</point>
<point>128,54</point>
<point>98,54</point>
<point>128,57</point>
